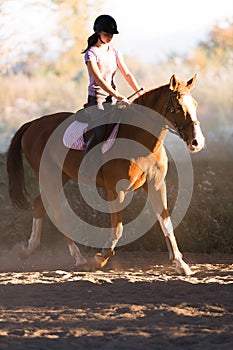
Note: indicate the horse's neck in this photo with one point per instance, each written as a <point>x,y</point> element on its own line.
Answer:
<point>154,99</point>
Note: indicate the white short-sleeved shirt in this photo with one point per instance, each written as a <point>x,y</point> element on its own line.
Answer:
<point>107,63</point>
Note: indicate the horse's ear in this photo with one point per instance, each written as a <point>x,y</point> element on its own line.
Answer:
<point>191,82</point>
<point>173,84</point>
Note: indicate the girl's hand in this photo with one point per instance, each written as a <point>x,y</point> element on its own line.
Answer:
<point>123,99</point>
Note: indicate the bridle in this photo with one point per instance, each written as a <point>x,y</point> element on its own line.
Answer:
<point>175,111</point>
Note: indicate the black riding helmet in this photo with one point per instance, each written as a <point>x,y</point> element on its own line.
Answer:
<point>106,24</point>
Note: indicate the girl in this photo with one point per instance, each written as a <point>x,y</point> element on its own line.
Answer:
<point>102,61</point>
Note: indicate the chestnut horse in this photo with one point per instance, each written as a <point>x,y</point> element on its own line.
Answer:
<point>174,102</point>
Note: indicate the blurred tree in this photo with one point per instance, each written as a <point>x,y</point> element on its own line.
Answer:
<point>29,34</point>
<point>73,17</point>
<point>217,50</point>
<point>43,35</point>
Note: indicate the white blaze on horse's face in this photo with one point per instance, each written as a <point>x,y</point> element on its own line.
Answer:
<point>190,106</point>
<point>198,141</point>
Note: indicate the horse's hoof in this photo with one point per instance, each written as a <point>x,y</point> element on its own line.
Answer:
<point>23,253</point>
<point>100,261</point>
<point>183,269</point>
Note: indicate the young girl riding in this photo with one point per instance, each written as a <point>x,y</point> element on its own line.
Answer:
<point>102,61</point>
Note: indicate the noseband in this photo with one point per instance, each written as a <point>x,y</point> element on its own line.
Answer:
<point>175,111</point>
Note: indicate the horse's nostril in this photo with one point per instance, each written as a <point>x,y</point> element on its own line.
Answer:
<point>194,143</point>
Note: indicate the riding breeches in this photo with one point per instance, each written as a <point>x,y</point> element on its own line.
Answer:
<point>99,109</point>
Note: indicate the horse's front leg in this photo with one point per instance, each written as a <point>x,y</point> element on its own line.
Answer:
<point>102,258</point>
<point>80,261</point>
<point>159,202</point>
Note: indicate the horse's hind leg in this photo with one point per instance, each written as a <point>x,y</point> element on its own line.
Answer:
<point>102,258</point>
<point>51,191</point>
<point>159,202</point>
<point>34,240</point>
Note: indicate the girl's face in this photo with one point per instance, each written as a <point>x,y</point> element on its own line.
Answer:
<point>105,37</point>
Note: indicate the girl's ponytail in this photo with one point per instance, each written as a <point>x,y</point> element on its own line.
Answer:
<point>92,40</point>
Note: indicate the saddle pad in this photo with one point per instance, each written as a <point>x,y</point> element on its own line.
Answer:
<point>73,137</point>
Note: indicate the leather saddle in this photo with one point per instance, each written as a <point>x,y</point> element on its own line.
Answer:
<point>84,116</point>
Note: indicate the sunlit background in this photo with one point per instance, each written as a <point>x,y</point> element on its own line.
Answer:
<point>152,30</point>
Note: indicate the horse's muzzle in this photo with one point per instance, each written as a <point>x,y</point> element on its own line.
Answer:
<point>196,144</point>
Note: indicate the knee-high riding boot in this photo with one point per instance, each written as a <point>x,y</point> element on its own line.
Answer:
<point>91,143</point>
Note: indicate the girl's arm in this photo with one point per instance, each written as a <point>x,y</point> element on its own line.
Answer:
<point>127,74</point>
<point>96,74</point>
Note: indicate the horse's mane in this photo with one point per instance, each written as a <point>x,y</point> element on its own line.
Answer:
<point>150,97</point>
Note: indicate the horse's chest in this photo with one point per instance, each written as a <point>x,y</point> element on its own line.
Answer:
<point>154,166</point>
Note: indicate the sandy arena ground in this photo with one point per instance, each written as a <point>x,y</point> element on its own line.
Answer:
<point>137,302</point>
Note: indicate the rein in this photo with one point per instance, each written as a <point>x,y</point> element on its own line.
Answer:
<point>135,93</point>
<point>175,111</point>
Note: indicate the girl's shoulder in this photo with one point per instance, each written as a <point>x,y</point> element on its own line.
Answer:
<point>92,52</point>
<point>96,49</point>
<point>93,48</point>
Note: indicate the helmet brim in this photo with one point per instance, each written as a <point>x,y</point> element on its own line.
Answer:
<point>109,30</point>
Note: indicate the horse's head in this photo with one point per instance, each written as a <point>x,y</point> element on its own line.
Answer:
<point>181,112</point>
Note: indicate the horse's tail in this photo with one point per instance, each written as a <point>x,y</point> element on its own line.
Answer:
<point>16,182</point>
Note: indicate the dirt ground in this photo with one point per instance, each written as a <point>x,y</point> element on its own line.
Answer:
<point>137,302</point>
